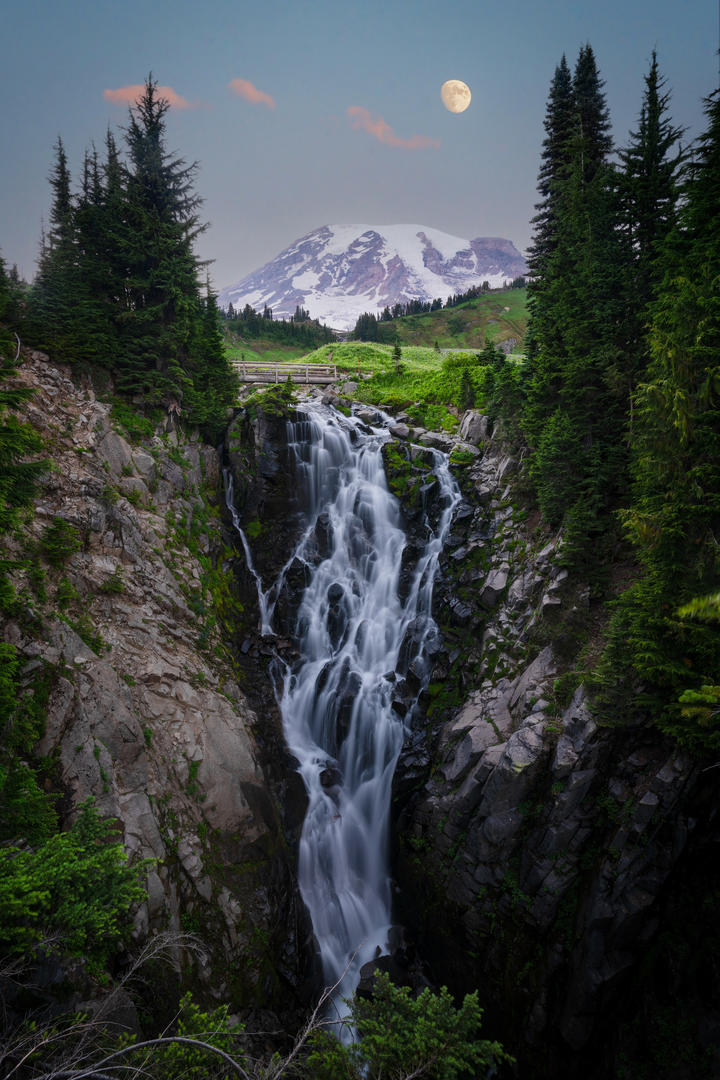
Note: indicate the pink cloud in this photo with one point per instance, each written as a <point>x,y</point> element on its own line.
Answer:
<point>128,95</point>
<point>245,89</point>
<point>361,119</point>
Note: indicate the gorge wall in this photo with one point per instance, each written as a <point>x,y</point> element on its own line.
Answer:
<point>558,866</point>
<point>566,870</point>
<point>540,857</point>
<point>145,714</point>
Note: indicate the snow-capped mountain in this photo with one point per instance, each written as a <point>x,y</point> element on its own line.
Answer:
<point>339,271</point>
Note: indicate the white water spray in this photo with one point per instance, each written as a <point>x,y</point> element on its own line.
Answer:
<point>336,702</point>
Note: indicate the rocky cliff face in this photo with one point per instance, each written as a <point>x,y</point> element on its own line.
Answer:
<point>145,714</point>
<point>539,856</point>
<point>566,870</point>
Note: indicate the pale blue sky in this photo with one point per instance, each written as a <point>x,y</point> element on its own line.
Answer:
<point>270,175</point>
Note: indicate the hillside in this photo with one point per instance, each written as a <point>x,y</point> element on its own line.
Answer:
<point>499,315</point>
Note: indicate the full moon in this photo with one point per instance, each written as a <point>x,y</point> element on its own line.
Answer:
<point>455,95</point>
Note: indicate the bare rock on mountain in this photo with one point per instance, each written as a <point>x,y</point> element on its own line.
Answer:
<point>339,271</point>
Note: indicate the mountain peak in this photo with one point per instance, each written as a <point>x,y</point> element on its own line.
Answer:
<point>337,272</point>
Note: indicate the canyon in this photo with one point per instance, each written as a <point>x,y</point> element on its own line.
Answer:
<point>533,854</point>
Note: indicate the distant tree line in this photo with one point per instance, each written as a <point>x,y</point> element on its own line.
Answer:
<point>299,329</point>
<point>119,281</point>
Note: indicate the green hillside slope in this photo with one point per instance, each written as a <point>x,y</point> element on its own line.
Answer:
<point>500,315</point>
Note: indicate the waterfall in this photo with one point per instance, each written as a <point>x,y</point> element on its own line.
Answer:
<point>336,701</point>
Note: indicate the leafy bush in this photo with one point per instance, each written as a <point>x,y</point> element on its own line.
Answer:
<point>401,1036</point>
<point>76,887</point>
<point>170,1060</point>
<point>130,422</point>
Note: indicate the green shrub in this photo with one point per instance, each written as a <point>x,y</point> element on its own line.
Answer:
<point>130,422</point>
<point>84,629</point>
<point>59,542</point>
<point>461,457</point>
<point>114,584</point>
<point>76,886</point>
<point>65,594</point>
<point>399,1035</point>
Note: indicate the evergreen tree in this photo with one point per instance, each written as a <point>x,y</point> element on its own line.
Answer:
<point>19,442</point>
<point>366,328</point>
<point>96,297</point>
<point>574,417</point>
<point>648,188</point>
<point>674,519</point>
<point>161,288</point>
<point>211,383</point>
<point>56,281</point>
<point>558,124</point>
<point>397,356</point>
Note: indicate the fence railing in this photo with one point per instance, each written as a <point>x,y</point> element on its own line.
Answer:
<point>272,373</point>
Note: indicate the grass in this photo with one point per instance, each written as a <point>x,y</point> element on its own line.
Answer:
<point>468,325</point>
<point>266,351</point>
<point>427,382</point>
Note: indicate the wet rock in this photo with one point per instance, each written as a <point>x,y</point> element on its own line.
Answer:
<point>331,775</point>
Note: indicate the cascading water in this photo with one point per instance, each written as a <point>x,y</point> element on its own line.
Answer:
<point>336,701</point>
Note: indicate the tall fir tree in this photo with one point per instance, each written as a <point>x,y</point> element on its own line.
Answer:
<point>674,518</point>
<point>211,382</point>
<point>572,419</point>
<point>161,266</point>
<point>558,123</point>
<point>54,288</point>
<point>648,191</point>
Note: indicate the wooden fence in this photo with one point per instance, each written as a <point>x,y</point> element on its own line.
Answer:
<point>260,372</point>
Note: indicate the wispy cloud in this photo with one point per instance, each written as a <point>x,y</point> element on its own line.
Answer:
<point>128,95</point>
<point>245,89</point>
<point>381,130</point>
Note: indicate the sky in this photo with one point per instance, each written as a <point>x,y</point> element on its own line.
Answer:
<point>303,113</point>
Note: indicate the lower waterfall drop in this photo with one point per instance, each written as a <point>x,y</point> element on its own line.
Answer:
<point>336,701</point>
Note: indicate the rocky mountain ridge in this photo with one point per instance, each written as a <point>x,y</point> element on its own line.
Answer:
<point>337,272</point>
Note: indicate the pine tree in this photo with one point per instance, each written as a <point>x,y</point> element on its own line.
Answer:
<point>674,519</point>
<point>57,278</point>
<point>559,118</point>
<point>211,383</point>
<point>573,417</point>
<point>18,475</point>
<point>161,288</point>
<point>95,309</point>
<point>648,189</point>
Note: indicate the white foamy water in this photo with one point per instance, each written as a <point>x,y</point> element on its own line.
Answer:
<point>336,701</point>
